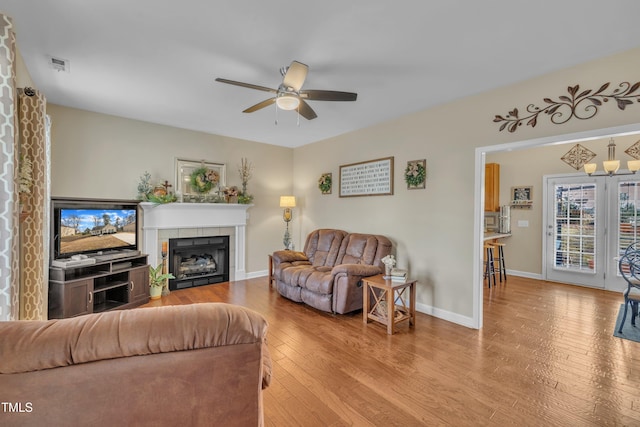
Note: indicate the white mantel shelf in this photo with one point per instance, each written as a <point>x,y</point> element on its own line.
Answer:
<point>194,215</point>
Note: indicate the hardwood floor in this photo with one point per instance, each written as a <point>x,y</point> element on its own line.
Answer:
<point>546,356</point>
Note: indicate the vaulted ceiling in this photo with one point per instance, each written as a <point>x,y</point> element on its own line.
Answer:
<point>157,60</point>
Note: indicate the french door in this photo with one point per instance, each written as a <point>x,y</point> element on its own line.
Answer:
<point>589,222</point>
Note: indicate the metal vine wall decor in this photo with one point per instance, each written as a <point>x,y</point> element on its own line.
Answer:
<point>581,105</point>
<point>634,150</point>
<point>578,156</point>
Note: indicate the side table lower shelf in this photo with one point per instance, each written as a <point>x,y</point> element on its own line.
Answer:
<point>384,301</point>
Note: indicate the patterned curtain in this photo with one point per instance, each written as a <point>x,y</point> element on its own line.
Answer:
<point>34,148</point>
<point>9,208</point>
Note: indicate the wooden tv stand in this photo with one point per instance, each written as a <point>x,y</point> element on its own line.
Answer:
<point>106,285</point>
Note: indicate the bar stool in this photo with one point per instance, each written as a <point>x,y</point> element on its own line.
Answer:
<point>489,270</point>
<point>501,267</point>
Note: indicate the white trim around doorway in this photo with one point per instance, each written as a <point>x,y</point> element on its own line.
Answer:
<point>478,227</point>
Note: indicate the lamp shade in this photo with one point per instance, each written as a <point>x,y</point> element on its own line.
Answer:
<point>611,166</point>
<point>633,165</point>
<point>287,201</point>
<point>590,168</point>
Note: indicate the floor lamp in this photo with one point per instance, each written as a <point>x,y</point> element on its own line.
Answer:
<point>287,202</point>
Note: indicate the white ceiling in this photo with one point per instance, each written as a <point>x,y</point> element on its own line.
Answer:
<point>156,60</point>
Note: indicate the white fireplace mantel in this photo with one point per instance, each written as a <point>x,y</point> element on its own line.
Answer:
<point>194,215</point>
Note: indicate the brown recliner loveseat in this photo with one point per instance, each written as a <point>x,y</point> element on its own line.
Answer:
<point>199,364</point>
<point>327,274</point>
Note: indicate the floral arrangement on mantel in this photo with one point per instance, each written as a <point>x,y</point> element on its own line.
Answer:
<point>149,193</point>
<point>246,171</point>
<point>203,179</point>
<point>324,183</point>
<point>415,174</point>
<point>231,194</point>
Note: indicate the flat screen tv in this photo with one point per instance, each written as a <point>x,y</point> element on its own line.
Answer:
<point>92,226</point>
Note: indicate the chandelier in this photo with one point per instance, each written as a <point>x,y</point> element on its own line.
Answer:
<point>611,165</point>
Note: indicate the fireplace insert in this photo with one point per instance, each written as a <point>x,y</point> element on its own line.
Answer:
<point>197,261</point>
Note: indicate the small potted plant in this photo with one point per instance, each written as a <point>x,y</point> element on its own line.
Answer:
<point>156,280</point>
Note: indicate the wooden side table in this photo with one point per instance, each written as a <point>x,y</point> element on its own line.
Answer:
<point>385,301</point>
<point>272,279</point>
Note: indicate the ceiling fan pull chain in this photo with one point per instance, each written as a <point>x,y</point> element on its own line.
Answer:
<point>276,114</point>
<point>298,117</point>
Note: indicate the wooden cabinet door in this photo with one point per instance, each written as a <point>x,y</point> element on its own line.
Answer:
<point>139,284</point>
<point>78,298</point>
<point>492,187</point>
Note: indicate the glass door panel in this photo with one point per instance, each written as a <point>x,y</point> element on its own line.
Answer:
<point>572,231</point>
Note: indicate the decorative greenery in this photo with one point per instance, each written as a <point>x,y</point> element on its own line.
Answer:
<point>146,191</point>
<point>156,277</point>
<point>324,183</point>
<point>416,173</point>
<point>245,199</point>
<point>162,198</point>
<point>246,171</point>
<point>144,186</point>
<point>203,179</point>
<point>583,105</point>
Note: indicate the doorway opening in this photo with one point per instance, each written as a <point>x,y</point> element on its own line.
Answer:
<point>480,156</point>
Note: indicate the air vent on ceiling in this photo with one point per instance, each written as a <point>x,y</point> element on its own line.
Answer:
<point>59,64</point>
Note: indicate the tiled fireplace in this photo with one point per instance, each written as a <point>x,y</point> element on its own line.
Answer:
<point>162,222</point>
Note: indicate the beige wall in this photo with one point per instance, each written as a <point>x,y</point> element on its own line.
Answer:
<point>23,78</point>
<point>527,168</point>
<point>100,156</point>
<point>433,228</point>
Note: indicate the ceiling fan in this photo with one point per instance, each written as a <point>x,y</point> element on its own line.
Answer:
<point>289,95</point>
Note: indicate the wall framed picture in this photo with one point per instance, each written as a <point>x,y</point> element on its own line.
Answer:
<point>199,177</point>
<point>415,174</point>
<point>521,197</point>
<point>370,178</point>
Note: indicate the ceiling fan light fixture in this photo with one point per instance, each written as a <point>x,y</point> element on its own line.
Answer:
<point>287,102</point>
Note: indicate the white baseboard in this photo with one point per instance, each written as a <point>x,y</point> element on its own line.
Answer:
<point>526,274</point>
<point>445,315</point>
<point>430,310</point>
<point>254,274</point>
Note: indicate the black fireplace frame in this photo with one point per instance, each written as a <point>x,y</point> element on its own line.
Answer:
<point>218,245</point>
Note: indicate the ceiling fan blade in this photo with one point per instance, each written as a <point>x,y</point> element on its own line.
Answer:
<point>295,76</point>
<point>247,85</point>
<point>306,111</point>
<point>260,105</point>
<point>328,95</point>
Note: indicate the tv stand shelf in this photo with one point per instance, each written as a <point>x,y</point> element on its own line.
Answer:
<point>107,285</point>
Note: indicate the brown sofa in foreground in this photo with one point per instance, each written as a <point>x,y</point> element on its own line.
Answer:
<point>327,274</point>
<point>200,364</point>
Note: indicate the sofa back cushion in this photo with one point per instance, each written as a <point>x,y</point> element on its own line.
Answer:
<point>366,249</point>
<point>323,245</point>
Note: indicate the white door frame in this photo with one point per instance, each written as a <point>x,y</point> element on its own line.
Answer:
<point>478,227</point>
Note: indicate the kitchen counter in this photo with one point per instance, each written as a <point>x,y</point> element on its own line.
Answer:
<point>492,235</point>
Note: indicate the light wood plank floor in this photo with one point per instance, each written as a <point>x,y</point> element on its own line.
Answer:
<point>546,356</point>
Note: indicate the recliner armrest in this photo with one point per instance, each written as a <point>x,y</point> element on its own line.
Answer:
<point>362,270</point>
<point>288,256</point>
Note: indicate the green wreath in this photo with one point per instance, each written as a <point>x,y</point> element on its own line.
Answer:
<point>415,174</point>
<point>200,181</point>
<point>324,183</point>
